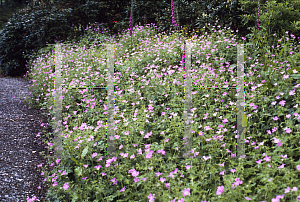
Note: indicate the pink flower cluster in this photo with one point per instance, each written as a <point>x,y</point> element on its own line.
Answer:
<point>173,18</point>
<point>258,15</point>
<point>130,22</point>
<point>183,61</point>
<point>236,183</point>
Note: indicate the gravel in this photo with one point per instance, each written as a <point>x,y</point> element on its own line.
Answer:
<point>19,147</point>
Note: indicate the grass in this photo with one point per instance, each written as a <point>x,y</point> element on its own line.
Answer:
<point>149,121</point>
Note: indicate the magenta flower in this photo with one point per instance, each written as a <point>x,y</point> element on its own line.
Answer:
<point>151,197</point>
<point>186,192</point>
<point>287,190</point>
<point>220,190</point>
<point>123,189</point>
<point>98,167</point>
<point>94,155</point>
<point>258,15</point>
<point>173,18</point>
<point>129,24</point>
<point>288,130</point>
<point>267,158</point>
<point>183,56</point>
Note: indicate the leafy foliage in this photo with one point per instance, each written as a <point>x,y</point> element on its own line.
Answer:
<point>29,30</point>
<point>26,32</point>
<point>203,177</point>
<point>275,17</point>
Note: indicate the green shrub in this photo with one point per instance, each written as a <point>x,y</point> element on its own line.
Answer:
<point>31,29</point>
<point>275,17</point>
<point>76,176</point>
<point>24,34</point>
<point>270,49</point>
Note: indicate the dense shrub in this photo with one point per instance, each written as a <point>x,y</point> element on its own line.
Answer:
<point>79,176</point>
<point>29,30</point>
<point>272,47</point>
<point>274,17</point>
<point>26,32</point>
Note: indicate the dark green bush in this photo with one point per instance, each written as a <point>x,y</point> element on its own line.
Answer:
<point>274,17</point>
<point>29,31</point>
<point>26,32</point>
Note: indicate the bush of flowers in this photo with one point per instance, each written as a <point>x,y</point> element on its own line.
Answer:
<point>149,126</point>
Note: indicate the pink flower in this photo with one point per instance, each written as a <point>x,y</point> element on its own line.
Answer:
<point>123,189</point>
<point>188,167</point>
<point>94,155</point>
<point>222,173</point>
<point>258,15</point>
<point>288,130</point>
<point>151,197</point>
<point>183,56</point>
<point>220,190</point>
<point>66,186</point>
<point>98,167</point>
<point>172,8</point>
<point>186,192</point>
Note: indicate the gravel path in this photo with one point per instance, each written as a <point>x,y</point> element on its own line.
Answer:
<point>19,147</point>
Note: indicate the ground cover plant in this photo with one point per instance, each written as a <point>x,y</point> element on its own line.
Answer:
<point>149,95</point>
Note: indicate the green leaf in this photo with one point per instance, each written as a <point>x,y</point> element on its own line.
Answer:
<point>84,151</point>
<point>74,160</point>
<point>296,76</point>
<point>78,171</point>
